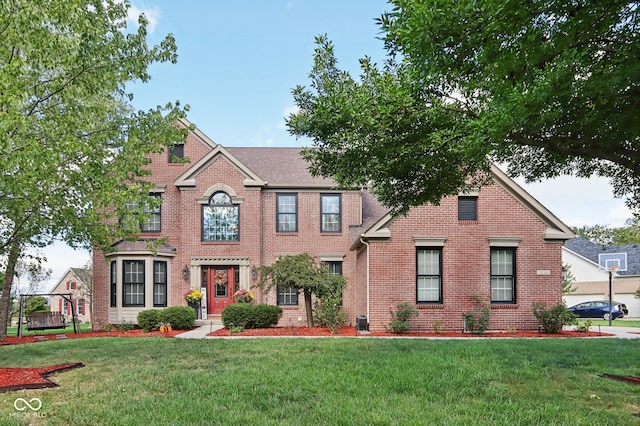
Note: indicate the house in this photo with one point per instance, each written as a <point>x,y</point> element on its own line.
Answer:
<point>231,210</point>
<point>589,264</point>
<point>78,283</point>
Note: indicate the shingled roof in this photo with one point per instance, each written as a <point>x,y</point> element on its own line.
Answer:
<point>591,250</point>
<point>280,167</point>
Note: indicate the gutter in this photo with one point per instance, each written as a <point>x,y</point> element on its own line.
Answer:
<point>366,244</point>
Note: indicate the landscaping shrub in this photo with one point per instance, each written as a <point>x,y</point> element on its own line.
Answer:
<point>400,315</point>
<point>244,315</point>
<point>266,315</point>
<point>149,319</point>
<point>328,313</point>
<point>180,317</point>
<point>476,319</point>
<point>552,317</point>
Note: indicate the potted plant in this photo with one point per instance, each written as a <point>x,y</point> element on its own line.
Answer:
<point>193,298</point>
<point>243,296</point>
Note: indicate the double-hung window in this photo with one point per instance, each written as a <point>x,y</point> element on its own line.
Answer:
<point>133,283</point>
<point>503,275</point>
<point>113,282</point>
<point>331,213</point>
<point>159,284</point>
<point>287,296</point>
<point>152,223</point>
<point>428,275</point>
<point>220,219</point>
<point>335,268</point>
<point>287,207</point>
<point>152,216</point>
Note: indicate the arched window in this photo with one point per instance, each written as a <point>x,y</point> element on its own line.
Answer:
<point>220,219</point>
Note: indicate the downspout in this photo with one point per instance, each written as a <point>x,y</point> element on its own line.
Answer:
<point>366,244</point>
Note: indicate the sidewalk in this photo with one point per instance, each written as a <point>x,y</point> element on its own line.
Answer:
<point>620,332</point>
<point>201,332</point>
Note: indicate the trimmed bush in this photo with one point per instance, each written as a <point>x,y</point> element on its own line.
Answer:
<point>244,315</point>
<point>149,319</point>
<point>180,317</point>
<point>266,315</point>
<point>552,317</point>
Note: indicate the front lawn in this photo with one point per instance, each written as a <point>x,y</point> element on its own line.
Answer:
<point>13,331</point>
<point>330,381</point>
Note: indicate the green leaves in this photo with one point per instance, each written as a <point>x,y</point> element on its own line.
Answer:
<point>72,144</point>
<point>550,88</point>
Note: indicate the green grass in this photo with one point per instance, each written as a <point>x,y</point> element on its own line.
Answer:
<point>615,323</point>
<point>13,331</point>
<point>331,381</point>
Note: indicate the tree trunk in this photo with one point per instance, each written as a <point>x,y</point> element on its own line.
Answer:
<point>307,306</point>
<point>5,300</point>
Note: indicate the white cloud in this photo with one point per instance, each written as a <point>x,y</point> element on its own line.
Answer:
<point>292,109</point>
<point>61,257</point>
<point>152,16</point>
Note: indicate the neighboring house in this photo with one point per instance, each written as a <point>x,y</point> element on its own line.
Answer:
<point>76,281</point>
<point>231,210</point>
<point>589,263</point>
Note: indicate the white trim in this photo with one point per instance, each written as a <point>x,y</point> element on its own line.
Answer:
<point>332,257</point>
<point>504,241</point>
<point>429,241</point>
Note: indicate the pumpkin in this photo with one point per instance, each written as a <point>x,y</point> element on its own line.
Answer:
<point>165,328</point>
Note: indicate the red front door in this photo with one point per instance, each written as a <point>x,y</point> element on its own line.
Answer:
<point>220,287</point>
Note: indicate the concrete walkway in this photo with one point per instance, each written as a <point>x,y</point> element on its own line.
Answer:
<point>206,327</point>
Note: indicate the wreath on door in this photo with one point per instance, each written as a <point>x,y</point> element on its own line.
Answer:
<point>221,277</point>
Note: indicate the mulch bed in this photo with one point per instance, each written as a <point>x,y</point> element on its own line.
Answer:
<point>350,331</point>
<point>12,379</point>
<point>626,379</point>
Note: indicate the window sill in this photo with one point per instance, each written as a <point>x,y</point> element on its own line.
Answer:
<point>289,307</point>
<point>504,306</point>
<point>422,305</point>
<point>468,222</point>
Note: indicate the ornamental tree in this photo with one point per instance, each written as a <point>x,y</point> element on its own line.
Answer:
<point>549,88</point>
<point>301,272</point>
<point>74,149</point>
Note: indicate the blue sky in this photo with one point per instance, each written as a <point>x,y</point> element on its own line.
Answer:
<point>238,61</point>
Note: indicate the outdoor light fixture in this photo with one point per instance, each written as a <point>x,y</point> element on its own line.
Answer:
<point>254,273</point>
<point>185,272</point>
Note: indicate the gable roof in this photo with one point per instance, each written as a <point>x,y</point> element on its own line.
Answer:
<point>556,229</point>
<point>188,177</point>
<point>203,138</point>
<point>80,274</point>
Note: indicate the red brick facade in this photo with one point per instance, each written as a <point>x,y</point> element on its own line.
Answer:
<point>377,252</point>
